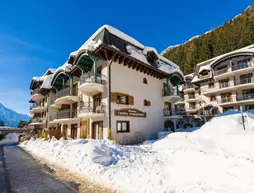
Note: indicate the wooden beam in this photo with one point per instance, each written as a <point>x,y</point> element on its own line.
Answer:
<point>148,71</point>
<point>130,64</point>
<point>116,57</point>
<point>110,54</point>
<point>145,71</point>
<point>142,69</point>
<point>101,55</point>
<point>151,72</point>
<point>121,59</point>
<point>139,67</point>
<point>155,73</point>
<point>126,62</point>
<point>106,54</point>
<point>134,65</point>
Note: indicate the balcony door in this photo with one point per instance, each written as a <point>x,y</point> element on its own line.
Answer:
<point>97,130</point>
<point>96,101</point>
<point>74,131</point>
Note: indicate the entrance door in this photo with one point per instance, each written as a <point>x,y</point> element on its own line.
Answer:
<point>74,131</point>
<point>83,129</point>
<point>97,130</point>
<point>65,127</point>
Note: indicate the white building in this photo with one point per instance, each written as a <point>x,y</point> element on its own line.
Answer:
<point>113,87</point>
<point>226,82</point>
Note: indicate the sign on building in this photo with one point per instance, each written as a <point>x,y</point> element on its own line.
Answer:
<point>130,113</point>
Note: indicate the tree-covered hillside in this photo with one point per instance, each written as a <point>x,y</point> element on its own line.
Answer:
<point>232,35</point>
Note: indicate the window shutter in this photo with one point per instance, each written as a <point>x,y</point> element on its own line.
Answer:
<point>113,97</point>
<point>131,100</point>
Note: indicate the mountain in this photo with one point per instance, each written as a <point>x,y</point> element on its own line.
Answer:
<point>232,35</point>
<point>10,117</point>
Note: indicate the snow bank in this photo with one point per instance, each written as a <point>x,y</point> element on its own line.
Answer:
<point>216,158</point>
<point>10,138</point>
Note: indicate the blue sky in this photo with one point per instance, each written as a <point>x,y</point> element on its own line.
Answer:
<point>36,35</point>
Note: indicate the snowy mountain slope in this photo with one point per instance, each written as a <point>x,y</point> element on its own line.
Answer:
<point>10,117</point>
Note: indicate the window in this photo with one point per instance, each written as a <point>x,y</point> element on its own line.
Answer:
<point>145,102</point>
<point>144,80</point>
<point>226,98</point>
<point>192,106</point>
<point>247,78</point>
<point>248,107</point>
<point>243,64</point>
<point>224,83</point>
<point>122,126</point>
<point>122,99</point>
<point>212,98</point>
<point>211,85</point>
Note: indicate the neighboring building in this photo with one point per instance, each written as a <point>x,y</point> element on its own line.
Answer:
<point>40,100</point>
<point>219,84</point>
<point>111,87</point>
<point>183,113</point>
<point>226,82</point>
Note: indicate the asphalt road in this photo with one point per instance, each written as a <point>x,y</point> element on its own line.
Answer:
<point>21,173</point>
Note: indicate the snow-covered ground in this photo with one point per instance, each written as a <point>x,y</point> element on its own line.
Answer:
<point>218,157</point>
<point>10,138</point>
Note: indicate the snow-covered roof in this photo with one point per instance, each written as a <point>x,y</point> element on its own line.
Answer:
<point>206,67</point>
<point>91,45</point>
<point>47,82</point>
<point>66,67</point>
<point>189,75</point>
<point>45,79</point>
<point>128,45</point>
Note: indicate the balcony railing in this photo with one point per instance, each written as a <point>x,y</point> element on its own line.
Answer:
<point>243,81</point>
<point>37,119</point>
<point>92,107</point>
<point>191,96</point>
<point>165,93</point>
<point>89,78</point>
<point>167,113</point>
<point>188,86</point>
<point>239,66</point>
<point>191,108</point>
<point>66,113</point>
<point>221,71</point>
<point>64,92</point>
<point>244,97</point>
<point>180,111</point>
<point>225,100</point>
<point>34,105</point>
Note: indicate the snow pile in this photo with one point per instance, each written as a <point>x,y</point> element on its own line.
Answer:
<point>135,53</point>
<point>10,138</point>
<point>217,158</point>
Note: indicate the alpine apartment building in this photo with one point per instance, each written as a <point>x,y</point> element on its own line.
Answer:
<point>224,82</point>
<point>111,87</point>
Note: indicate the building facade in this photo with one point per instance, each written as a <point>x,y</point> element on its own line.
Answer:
<point>224,82</point>
<point>111,87</point>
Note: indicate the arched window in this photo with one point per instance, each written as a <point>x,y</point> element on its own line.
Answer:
<point>144,80</point>
<point>145,102</point>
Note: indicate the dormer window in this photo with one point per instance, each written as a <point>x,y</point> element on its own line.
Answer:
<point>204,74</point>
<point>71,59</point>
<point>152,57</point>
